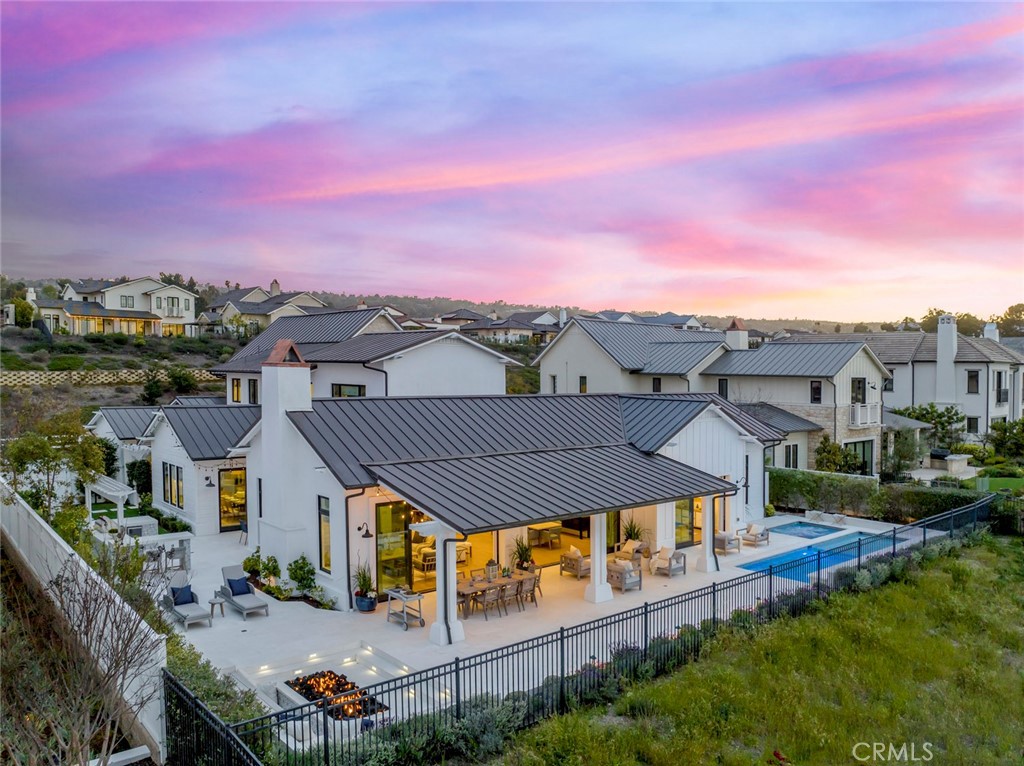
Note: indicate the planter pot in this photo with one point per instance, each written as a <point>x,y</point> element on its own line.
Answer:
<point>364,604</point>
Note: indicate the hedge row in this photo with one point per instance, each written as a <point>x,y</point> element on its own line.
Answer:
<point>826,492</point>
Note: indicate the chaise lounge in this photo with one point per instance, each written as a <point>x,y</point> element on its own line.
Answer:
<point>239,593</point>
<point>183,605</point>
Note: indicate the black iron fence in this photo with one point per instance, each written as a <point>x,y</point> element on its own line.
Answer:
<point>195,736</point>
<point>436,711</point>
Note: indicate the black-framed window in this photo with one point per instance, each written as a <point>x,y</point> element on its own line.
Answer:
<point>323,507</point>
<point>656,385</point>
<point>174,485</point>
<point>746,478</point>
<point>973,381</point>
<point>723,388</point>
<point>858,390</point>
<point>887,383</point>
<point>972,425</point>
<point>815,392</point>
<point>554,384</point>
<point>583,384</point>
<point>346,390</point>
<point>236,390</point>
<point>127,301</point>
<point>792,456</point>
<point>187,304</point>
<point>254,391</point>
<point>259,498</point>
<point>159,302</point>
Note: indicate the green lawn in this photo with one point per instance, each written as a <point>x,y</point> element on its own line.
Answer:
<point>937,660</point>
<point>994,484</point>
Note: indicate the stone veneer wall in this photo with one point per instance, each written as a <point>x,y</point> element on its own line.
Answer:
<point>826,416</point>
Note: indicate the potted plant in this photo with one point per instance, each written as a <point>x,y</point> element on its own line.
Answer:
<point>365,593</point>
<point>631,529</point>
<point>522,553</point>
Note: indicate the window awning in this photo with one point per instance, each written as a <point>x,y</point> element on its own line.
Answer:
<point>486,492</point>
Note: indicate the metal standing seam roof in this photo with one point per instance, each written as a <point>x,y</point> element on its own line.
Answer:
<point>94,309</point>
<point>787,360</point>
<point>677,358</point>
<point>209,432</point>
<point>907,347</point>
<point>893,422</point>
<point>627,342</point>
<point>128,422</point>
<point>778,418</point>
<point>311,328</point>
<point>484,492</point>
<point>371,347</point>
<point>193,400</point>
<point>653,419</point>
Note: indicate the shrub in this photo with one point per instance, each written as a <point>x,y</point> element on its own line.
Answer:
<point>182,380</point>
<point>977,452</point>
<point>41,356</point>
<point>140,476</point>
<point>253,563</point>
<point>11,361</point>
<point>59,363</point>
<point>270,568</point>
<point>1004,471</point>
<point>302,573</point>
<point>862,581</point>
<point>152,389</point>
<point>769,510</point>
<point>898,503</point>
<point>70,347</point>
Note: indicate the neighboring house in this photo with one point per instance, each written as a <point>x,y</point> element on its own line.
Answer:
<point>248,310</point>
<point>422,487</point>
<point>458,318</point>
<point>892,424</point>
<point>837,387</point>
<point>793,451</point>
<point>124,427</point>
<point>539,327</point>
<point>678,321</point>
<point>144,306</point>
<point>981,376</point>
<point>364,353</point>
<point>194,478</point>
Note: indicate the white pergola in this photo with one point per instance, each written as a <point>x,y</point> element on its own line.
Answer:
<point>112,490</point>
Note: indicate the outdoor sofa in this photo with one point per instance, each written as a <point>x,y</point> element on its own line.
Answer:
<point>243,595</point>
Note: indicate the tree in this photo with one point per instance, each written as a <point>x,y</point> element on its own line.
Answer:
<point>830,456</point>
<point>861,327</point>
<point>24,312</point>
<point>48,461</point>
<point>908,324</point>
<point>968,324</point>
<point>50,291</point>
<point>1007,439</point>
<point>182,380</point>
<point>930,321</point>
<point>140,476</point>
<point>838,329</point>
<point>109,450</point>
<point>1011,323</point>
<point>887,327</point>
<point>947,422</point>
<point>152,389</point>
<point>904,456</point>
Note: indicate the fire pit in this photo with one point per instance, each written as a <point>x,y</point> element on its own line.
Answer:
<point>348,701</point>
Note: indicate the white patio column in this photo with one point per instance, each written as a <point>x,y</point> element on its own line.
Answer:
<point>598,590</point>
<point>665,530</point>
<point>88,499</point>
<point>707,561</point>
<point>447,598</point>
<point>120,512</point>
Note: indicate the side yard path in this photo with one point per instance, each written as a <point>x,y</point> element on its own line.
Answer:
<point>933,664</point>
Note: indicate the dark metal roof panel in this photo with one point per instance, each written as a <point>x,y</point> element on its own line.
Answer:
<point>787,360</point>
<point>208,432</point>
<point>627,342</point>
<point>778,418</point>
<point>484,492</point>
<point>191,400</point>
<point>313,328</point>
<point>94,309</point>
<point>129,422</point>
<point>677,358</point>
<point>650,422</point>
<point>372,346</point>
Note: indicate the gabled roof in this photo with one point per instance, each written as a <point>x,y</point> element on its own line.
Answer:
<point>627,342</point>
<point>90,285</point>
<point>125,422</point>
<point>463,314</point>
<point>893,422</point>
<point>208,432</point>
<point>94,309</point>
<point>193,400</point>
<point>484,492</point>
<point>787,360</point>
<point>233,295</point>
<point>670,318</point>
<point>377,346</point>
<point>316,328</point>
<point>677,358</point>
<point>907,347</point>
<point>263,308</point>
<point>778,418</point>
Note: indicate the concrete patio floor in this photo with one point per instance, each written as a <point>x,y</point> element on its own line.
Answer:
<point>297,639</point>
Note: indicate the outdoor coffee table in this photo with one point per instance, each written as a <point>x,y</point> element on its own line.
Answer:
<point>408,607</point>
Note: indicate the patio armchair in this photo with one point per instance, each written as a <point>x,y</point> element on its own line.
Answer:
<point>668,562</point>
<point>755,534</point>
<point>188,610</point>
<point>725,542</point>
<point>243,596</point>
<point>630,550</point>
<point>574,563</point>
<point>624,576</point>
<point>425,559</point>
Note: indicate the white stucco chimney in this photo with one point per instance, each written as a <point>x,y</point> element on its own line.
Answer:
<point>275,288</point>
<point>945,357</point>
<point>562,318</point>
<point>30,296</point>
<point>991,331</point>
<point>737,338</point>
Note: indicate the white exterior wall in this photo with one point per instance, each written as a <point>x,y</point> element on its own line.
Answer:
<point>187,315</point>
<point>245,377</point>
<point>327,374</point>
<point>200,506</point>
<point>798,439</point>
<point>446,367</point>
<point>111,298</point>
<point>576,354</point>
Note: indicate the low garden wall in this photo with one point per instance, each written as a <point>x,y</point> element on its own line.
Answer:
<point>90,377</point>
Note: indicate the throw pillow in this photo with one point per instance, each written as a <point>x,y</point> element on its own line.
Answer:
<point>754,529</point>
<point>238,587</point>
<point>574,552</point>
<point>182,595</point>
<point>666,553</point>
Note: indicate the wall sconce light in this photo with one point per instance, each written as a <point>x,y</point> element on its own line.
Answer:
<point>209,483</point>
<point>365,529</point>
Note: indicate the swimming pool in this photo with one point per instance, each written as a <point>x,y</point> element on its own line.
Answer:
<point>804,529</point>
<point>830,557</point>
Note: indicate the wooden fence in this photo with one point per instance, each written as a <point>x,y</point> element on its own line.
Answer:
<point>16,378</point>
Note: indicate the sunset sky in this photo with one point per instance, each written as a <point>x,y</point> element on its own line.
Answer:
<point>843,162</point>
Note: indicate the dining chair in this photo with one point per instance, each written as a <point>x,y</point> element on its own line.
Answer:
<point>487,599</point>
<point>536,572</point>
<point>510,595</point>
<point>461,576</point>
<point>478,574</point>
<point>528,591</point>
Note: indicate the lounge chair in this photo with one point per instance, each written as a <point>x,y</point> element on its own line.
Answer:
<point>246,603</point>
<point>631,550</point>
<point>724,542</point>
<point>624,576</point>
<point>188,612</point>
<point>755,534</point>
<point>574,563</point>
<point>668,562</point>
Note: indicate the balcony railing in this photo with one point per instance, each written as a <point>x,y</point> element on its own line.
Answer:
<point>1002,395</point>
<point>865,414</point>
<point>174,313</point>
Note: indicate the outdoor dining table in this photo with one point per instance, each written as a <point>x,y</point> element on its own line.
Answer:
<point>469,588</point>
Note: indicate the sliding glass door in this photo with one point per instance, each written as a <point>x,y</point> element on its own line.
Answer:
<point>232,499</point>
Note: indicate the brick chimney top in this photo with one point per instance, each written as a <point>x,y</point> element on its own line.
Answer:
<point>285,354</point>
<point>736,324</point>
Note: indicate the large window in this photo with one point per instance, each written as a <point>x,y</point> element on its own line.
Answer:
<point>887,383</point>
<point>345,390</point>
<point>254,391</point>
<point>723,388</point>
<point>127,301</point>
<point>858,390</point>
<point>972,425</point>
<point>792,456</point>
<point>324,512</point>
<point>236,390</point>
<point>686,534</point>
<point>973,381</point>
<point>815,392</point>
<point>174,485</point>
<point>656,385</point>
<point>583,384</point>
<point>232,498</point>
<point>865,452</point>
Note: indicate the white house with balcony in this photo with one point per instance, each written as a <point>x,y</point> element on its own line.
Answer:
<point>981,376</point>
<point>143,306</point>
<point>248,310</point>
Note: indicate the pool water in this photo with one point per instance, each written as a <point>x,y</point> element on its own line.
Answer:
<point>790,569</point>
<point>804,529</point>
